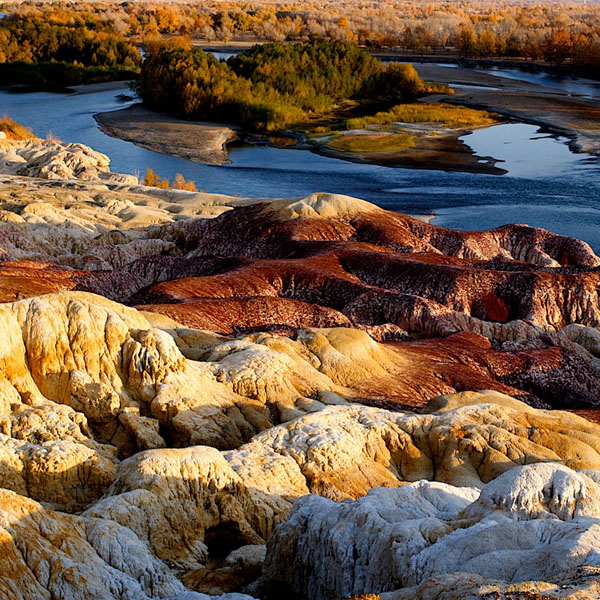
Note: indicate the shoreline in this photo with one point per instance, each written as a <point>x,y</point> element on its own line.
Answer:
<point>564,114</point>
<point>440,153</point>
<point>583,139</point>
<point>206,143</point>
<point>167,134</point>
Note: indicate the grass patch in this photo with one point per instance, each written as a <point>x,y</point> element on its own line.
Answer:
<point>13,130</point>
<point>373,143</point>
<point>442,114</point>
<point>283,141</point>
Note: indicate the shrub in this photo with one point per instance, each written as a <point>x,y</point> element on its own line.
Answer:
<point>373,143</point>
<point>13,130</point>
<point>152,179</point>
<point>446,115</point>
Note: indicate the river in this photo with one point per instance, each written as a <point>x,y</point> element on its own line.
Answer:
<point>546,185</point>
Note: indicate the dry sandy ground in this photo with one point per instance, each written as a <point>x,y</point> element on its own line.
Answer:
<point>192,140</point>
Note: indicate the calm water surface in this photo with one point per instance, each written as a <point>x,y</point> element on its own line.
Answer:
<point>546,185</point>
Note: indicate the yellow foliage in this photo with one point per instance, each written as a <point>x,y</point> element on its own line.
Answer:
<point>446,115</point>
<point>180,183</point>
<point>373,143</point>
<point>13,130</point>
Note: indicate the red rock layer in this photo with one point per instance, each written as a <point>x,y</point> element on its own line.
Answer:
<point>261,267</point>
<point>25,279</point>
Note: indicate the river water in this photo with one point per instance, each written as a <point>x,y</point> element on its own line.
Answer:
<point>546,185</point>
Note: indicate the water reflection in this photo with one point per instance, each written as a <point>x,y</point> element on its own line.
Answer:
<point>523,151</point>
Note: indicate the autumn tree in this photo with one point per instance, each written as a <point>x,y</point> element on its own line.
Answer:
<point>180,183</point>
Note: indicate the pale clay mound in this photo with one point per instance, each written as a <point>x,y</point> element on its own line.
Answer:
<point>47,555</point>
<point>100,363</point>
<point>52,159</point>
<point>537,525</point>
<point>107,222</point>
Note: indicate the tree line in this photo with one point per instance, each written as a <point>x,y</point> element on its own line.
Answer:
<point>103,35</point>
<point>46,53</point>
<point>548,30</point>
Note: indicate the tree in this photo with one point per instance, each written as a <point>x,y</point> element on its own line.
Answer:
<point>486,43</point>
<point>558,45</point>
<point>151,179</point>
<point>181,184</point>
<point>467,40</point>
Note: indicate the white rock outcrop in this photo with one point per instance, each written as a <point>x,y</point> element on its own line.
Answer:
<point>53,159</point>
<point>178,499</point>
<point>537,523</point>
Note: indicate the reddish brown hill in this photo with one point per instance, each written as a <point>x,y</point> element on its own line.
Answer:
<point>483,309</point>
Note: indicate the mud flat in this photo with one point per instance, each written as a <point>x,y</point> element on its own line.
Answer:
<point>167,134</point>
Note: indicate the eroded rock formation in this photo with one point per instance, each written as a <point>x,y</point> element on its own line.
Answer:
<point>536,524</point>
<point>53,159</point>
<point>181,373</point>
<point>178,500</point>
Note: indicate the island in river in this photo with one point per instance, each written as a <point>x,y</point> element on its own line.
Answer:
<point>330,97</point>
<point>554,109</point>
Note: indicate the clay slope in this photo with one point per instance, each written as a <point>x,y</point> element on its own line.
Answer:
<point>204,395</point>
<point>205,515</point>
<point>86,382</point>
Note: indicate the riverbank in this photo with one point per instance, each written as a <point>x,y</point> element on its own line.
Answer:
<point>205,143</point>
<point>167,134</point>
<point>555,110</point>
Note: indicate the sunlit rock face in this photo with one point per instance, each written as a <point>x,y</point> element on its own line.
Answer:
<point>53,159</point>
<point>177,499</point>
<point>47,555</point>
<point>199,445</point>
<point>455,318</point>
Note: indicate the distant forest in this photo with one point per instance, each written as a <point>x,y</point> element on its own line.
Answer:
<point>550,31</point>
<point>59,43</point>
<point>52,52</point>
